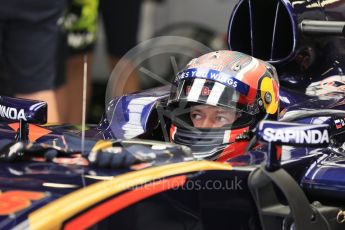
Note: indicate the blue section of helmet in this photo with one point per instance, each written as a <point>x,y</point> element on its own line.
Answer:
<point>214,75</point>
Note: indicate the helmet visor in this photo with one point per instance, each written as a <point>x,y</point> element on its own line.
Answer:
<point>204,91</point>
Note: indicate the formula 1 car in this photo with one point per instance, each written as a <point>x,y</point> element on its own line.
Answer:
<point>125,173</point>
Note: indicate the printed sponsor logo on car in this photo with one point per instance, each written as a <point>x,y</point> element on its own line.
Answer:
<point>296,136</point>
<point>12,113</point>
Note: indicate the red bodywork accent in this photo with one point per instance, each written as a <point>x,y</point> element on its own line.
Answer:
<point>98,213</point>
<point>15,201</point>
<point>35,131</point>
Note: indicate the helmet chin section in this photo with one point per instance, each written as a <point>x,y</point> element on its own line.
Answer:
<point>205,143</point>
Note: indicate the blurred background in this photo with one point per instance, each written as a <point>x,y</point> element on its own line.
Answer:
<point>44,46</point>
<point>165,17</point>
<point>202,20</point>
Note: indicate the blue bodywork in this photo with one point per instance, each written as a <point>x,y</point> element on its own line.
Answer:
<point>300,59</point>
<point>270,30</point>
<point>55,180</point>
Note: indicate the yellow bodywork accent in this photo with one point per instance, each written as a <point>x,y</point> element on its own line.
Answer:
<point>54,214</point>
<point>101,145</point>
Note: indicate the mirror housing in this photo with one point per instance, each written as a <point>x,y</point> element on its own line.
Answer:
<point>277,133</point>
<point>295,134</point>
<point>18,109</point>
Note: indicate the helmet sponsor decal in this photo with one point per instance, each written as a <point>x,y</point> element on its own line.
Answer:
<point>205,91</point>
<point>214,75</point>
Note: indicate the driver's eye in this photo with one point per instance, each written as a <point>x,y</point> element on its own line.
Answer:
<point>222,119</point>
<point>195,116</point>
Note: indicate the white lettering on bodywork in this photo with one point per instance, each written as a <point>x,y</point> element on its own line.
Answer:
<point>12,113</point>
<point>296,136</point>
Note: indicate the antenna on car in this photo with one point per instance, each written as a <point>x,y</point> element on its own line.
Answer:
<point>84,105</point>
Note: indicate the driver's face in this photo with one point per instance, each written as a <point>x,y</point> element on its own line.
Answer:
<point>207,116</point>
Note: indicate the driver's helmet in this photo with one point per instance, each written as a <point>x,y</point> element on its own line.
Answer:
<point>217,98</point>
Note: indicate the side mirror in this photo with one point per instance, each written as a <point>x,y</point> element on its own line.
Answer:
<point>29,111</point>
<point>295,134</point>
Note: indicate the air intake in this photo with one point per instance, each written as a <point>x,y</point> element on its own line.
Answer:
<point>264,29</point>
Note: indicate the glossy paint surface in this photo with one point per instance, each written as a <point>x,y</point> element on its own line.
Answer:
<point>13,109</point>
<point>54,180</point>
<point>130,115</point>
<point>311,58</point>
<point>320,171</point>
<point>325,178</point>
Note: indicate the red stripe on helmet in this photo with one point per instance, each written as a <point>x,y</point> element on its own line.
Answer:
<point>251,78</point>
